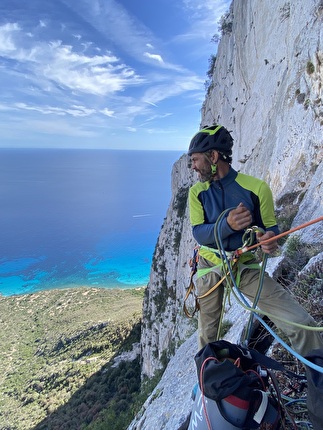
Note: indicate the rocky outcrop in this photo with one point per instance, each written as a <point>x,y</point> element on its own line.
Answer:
<point>164,323</point>
<point>266,88</point>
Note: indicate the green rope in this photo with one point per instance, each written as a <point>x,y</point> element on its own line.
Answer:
<point>229,284</point>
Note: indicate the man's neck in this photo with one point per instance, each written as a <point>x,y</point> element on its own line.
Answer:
<point>222,170</point>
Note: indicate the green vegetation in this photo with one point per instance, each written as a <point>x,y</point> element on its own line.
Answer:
<point>180,202</point>
<point>307,288</point>
<point>225,327</point>
<point>225,24</point>
<point>57,350</point>
<point>56,362</point>
<point>288,206</point>
<point>310,67</point>
<point>209,73</point>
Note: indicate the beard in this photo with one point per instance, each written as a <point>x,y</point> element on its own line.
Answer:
<point>205,174</point>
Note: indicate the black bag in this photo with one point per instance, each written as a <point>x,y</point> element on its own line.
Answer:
<point>236,379</point>
<point>315,389</point>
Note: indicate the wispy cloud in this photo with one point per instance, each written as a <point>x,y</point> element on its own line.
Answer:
<point>204,17</point>
<point>76,111</point>
<point>156,57</point>
<point>114,22</point>
<point>180,85</point>
<point>98,74</point>
<point>97,61</point>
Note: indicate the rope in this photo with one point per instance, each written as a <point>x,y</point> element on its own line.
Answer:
<point>278,236</point>
<point>232,286</point>
<point>209,426</point>
<point>257,296</point>
<point>232,280</point>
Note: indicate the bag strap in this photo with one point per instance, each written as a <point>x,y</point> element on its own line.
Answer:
<point>270,363</point>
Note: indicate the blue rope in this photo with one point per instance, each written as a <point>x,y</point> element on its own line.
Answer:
<point>225,258</point>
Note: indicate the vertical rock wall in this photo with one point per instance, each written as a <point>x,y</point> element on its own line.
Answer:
<point>267,89</point>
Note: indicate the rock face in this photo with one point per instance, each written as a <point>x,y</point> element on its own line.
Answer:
<point>266,88</point>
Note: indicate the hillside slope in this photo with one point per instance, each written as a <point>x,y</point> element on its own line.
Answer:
<point>54,344</point>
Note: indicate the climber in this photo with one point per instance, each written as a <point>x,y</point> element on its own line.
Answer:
<point>219,188</point>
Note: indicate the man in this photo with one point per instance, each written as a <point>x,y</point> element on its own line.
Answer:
<point>249,203</point>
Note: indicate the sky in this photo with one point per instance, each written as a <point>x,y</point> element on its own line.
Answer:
<point>106,74</point>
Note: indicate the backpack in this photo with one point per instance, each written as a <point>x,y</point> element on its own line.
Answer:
<point>232,392</point>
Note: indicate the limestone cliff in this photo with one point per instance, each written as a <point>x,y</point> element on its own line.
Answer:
<point>267,88</point>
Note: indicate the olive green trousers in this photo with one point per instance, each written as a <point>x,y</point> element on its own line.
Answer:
<point>274,299</point>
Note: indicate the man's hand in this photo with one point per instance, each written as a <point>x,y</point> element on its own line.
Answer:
<point>239,218</point>
<point>270,247</point>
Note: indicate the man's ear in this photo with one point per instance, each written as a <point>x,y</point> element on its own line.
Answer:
<point>214,156</point>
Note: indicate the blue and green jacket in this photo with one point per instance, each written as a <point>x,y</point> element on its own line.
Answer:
<point>207,200</point>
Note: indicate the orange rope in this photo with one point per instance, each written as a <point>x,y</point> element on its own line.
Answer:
<point>272,239</point>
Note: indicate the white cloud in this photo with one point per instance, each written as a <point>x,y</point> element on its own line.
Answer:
<point>156,57</point>
<point>150,103</point>
<point>156,117</point>
<point>107,112</point>
<point>7,33</point>
<point>179,86</point>
<point>78,77</point>
<point>76,111</point>
<point>205,15</point>
<point>112,19</point>
<point>115,23</point>
<point>98,74</point>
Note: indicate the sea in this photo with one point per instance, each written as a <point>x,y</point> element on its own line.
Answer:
<point>80,217</point>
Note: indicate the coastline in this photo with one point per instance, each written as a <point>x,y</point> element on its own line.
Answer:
<point>75,287</point>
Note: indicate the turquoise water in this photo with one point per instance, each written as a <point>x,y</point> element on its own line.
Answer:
<point>80,217</point>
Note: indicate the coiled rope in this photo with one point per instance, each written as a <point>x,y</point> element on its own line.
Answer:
<point>231,283</point>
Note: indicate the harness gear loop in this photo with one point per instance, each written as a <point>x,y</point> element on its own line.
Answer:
<point>193,263</point>
<point>212,289</point>
<point>213,256</point>
<point>191,287</point>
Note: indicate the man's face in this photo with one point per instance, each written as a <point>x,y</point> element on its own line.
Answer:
<point>202,166</point>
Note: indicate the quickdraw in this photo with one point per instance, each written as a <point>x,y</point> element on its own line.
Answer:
<point>191,287</point>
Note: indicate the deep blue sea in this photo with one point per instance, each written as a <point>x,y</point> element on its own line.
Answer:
<point>72,218</point>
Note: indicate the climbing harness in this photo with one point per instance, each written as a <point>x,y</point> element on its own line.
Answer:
<point>213,256</point>
<point>257,312</point>
<point>230,280</point>
<point>208,410</point>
